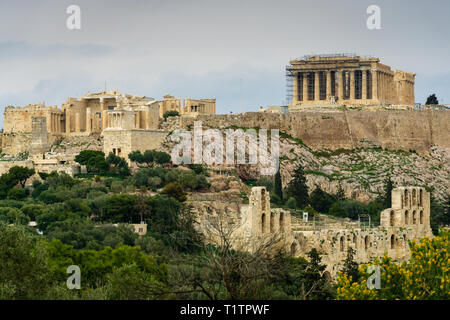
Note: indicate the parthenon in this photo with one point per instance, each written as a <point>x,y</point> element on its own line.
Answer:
<point>349,80</point>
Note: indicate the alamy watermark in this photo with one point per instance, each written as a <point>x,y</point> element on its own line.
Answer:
<point>374,20</point>
<point>73,22</point>
<point>74,280</point>
<point>208,147</point>
<point>374,280</point>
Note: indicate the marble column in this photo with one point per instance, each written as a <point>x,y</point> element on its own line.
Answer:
<point>77,122</point>
<point>352,84</point>
<point>88,120</point>
<point>375,85</point>
<point>316,86</point>
<point>364,84</point>
<point>328,96</point>
<point>305,86</point>
<point>67,122</point>
<point>340,86</point>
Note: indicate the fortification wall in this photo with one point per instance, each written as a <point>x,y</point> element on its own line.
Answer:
<point>15,143</point>
<point>6,165</point>
<point>392,129</point>
<point>122,142</point>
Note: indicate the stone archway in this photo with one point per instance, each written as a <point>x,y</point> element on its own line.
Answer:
<point>293,248</point>
<point>281,222</point>
<point>263,222</point>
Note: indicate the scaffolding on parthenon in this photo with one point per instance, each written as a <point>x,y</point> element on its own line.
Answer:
<point>289,84</point>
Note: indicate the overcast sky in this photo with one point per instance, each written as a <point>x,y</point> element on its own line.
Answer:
<point>235,51</point>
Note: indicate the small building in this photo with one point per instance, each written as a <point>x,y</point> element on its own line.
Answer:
<point>140,228</point>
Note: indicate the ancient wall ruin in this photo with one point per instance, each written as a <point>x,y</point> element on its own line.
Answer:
<point>409,218</point>
<point>39,136</point>
<point>406,130</point>
<point>122,142</point>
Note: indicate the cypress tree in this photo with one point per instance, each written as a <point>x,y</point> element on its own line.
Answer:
<point>278,185</point>
<point>297,187</point>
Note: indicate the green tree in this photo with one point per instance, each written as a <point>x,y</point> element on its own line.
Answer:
<point>350,268</point>
<point>316,284</point>
<point>337,210</point>
<point>93,160</point>
<point>128,282</point>
<point>387,192</point>
<point>118,208</point>
<point>174,190</point>
<point>20,174</point>
<point>353,208</point>
<point>424,277</point>
<point>17,194</point>
<point>170,113</point>
<point>23,269</point>
<point>278,185</point>
<point>136,156</point>
<point>162,157</point>
<point>297,187</point>
<point>117,165</point>
<point>98,264</point>
<point>320,200</point>
<point>439,214</point>
<point>15,175</point>
<point>432,99</point>
<point>148,157</point>
<point>340,195</point>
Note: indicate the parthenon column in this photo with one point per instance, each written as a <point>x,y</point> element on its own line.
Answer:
<point>388,87</point>
<point>352,84</point>
<point>328,75</point>
<point>364,84</point>
<point>375,85</point>
<point>305,86</point>
<point>316,86</point>
<point>340,87</point>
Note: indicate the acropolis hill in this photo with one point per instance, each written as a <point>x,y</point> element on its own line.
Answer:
<point>350,122</point>
<point>336,102</point>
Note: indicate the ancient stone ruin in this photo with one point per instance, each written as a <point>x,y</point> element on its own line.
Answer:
<point>409,218</point>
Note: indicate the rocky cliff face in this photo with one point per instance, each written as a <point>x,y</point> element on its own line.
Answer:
<point>360,171</point>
